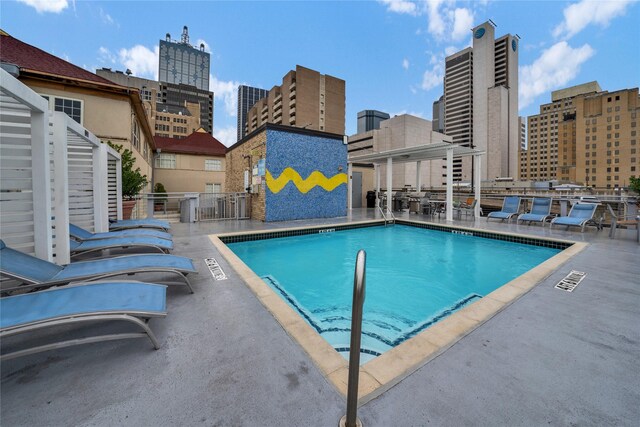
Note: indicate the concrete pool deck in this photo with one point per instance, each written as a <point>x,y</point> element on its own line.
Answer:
<point>550,357</point>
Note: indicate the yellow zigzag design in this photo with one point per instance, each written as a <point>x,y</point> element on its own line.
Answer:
<point>304,185</point>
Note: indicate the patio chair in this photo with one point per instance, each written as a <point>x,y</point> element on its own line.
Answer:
<point>540,211</point>
<point>510,208</point>
<point>467,208</point>
<point>580,215</point>
<point>627,221</point>
<point>139,223</point>
<point>111,302</point>
<point>131,243</point>
<point>35,273</point>
<point>80,234</point>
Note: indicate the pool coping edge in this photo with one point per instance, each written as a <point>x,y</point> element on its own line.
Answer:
<point>388,369</point>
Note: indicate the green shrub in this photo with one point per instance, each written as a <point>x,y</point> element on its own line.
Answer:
<point>133,181</point>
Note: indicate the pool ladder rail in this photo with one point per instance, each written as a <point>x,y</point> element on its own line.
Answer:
<point>389,219</point>
<point>359,284</point>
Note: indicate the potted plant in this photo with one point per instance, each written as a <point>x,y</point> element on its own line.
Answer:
<point>160,197</point>
<point>133,181</point>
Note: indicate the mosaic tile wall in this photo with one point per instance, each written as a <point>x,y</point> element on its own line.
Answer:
<point>306,177</point>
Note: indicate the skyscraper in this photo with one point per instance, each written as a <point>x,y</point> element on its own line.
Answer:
<point>481,102</point>
<point>181,63</point>
<point>183,73</point>
<point>247,97</point>
<point>306,99</point>
<point>370,120</point>
<point>438,115</point>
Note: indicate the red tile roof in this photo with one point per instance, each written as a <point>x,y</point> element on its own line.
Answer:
<point>199,142</point>
<point>30,58</point>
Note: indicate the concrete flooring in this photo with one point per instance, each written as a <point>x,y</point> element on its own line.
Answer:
<point>551,357</point>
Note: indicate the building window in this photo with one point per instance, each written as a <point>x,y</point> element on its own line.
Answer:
<point>135,135</point>
<point>212,165</point>
<point>166,161</point>
<point>71,107</point>
<point>212,188</point>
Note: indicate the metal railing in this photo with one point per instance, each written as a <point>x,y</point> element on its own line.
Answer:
<point>214,206</point>
<point>207,206</point>
<point>359,285</point>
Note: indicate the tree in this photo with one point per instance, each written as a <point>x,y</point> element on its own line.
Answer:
<point>133,181</point>
<point>634,184</point>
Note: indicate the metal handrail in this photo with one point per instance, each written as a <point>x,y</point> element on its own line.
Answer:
<point>359,284</point>
<point>393,218</point>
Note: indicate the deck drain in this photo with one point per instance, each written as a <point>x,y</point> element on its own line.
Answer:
<point>215,269</point>
<point>570,282</point>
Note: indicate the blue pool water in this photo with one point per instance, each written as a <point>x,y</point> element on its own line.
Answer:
<point>414,277</point>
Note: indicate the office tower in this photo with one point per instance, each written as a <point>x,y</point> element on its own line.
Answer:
<point>306,99</point>
<point>550,136</point>
<point>247,97</point>
<point>438,115</point>
<point>481,102</point>
<point>183,74</point>
<point>586,136</point>
<point>181,63</point>
<point>370,120</point>
<point>609,122</point>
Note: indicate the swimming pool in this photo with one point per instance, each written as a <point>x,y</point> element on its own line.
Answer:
<point>415,277</point>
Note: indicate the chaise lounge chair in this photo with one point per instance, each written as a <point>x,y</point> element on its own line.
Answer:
<point>131,243</point>
<point>510,208</point>
<point>540,211</point>
<point>132,302</point>
<point>35,273</point>
<point>139,223</point>
<point>80,234</point>
<point>580,215</point>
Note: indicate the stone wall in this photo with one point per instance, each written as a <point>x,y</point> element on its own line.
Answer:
<point>243,157</point>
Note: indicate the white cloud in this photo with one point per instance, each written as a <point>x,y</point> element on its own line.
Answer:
<point>142,61</point>
<point>554,68</point>
<point>401,6</point>
<point>434,76</point>
<point>106,56</point>
<point>227,92</point>
<point>579,15</point>
<point>445,22</point>
<point>436,25</point>
<point>462,23</point>
<point>450,50</point>
<point>107,19</point>
<point>41,6</point>
<point>228,135</point>
<point>405,63</point>
<point>207,48</point>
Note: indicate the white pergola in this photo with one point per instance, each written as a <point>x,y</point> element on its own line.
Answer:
<point>53,171</point>
<point>418,154</point>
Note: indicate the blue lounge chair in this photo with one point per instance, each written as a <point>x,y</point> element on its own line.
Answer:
<point>510,208</point>
<point>80,234</point>
<point>132,243</point>
<point>540,211</point>
<point>132,302</point>
<point>36,273</point>
<point>580,215</point>
<point>139,223</point>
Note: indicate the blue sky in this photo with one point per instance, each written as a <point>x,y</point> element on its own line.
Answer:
<point>390,53</point>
